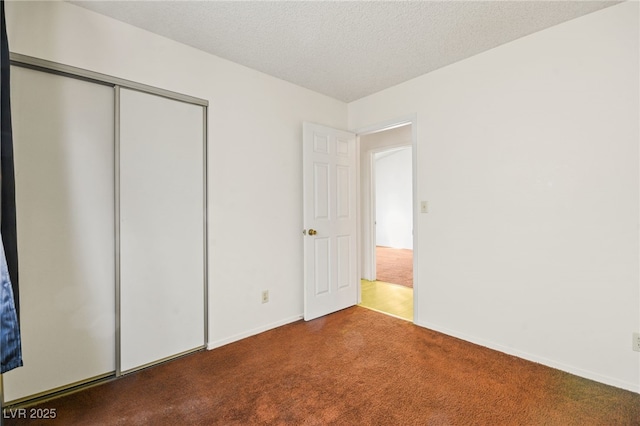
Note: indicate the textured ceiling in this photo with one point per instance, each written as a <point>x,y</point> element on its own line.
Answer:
<point>344,49</point>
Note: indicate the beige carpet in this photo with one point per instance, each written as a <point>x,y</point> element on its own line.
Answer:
<point>394,265</point>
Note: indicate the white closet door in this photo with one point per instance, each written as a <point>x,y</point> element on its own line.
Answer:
<point>64,162</point>
<point>161,228</point>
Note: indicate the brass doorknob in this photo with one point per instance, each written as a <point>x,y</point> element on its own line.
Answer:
<point>312,232</point>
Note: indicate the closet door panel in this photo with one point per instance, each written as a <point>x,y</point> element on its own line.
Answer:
<point>64,162</point>
<point>161,228</point>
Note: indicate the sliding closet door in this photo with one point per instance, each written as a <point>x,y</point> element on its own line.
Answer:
<point>161,228</point>
<point>64,162</point>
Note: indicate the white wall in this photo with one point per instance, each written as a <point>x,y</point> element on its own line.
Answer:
<point>255,132</point>
<point>394,198</point>
<point>528,156</point>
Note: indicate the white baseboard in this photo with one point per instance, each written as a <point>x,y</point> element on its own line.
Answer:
<point>252,332</point>
<point>633,387</point>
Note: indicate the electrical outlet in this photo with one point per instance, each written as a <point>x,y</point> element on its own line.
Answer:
<point>636,342</point>
<point>265,296</point>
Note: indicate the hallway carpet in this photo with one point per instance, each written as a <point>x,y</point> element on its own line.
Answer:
<point>394,265</point>
<point>354,367</point>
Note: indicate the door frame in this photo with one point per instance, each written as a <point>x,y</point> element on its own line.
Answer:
<point>366,214</point>
<point>369,218</point>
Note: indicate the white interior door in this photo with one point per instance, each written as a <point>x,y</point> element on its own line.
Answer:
<point>162,234</point>
<point>330,220</point>
<point>64,162</point>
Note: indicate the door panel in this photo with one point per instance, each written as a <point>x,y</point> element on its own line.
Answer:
<point>64,162</point>
<point>321,191</point>
<point>344,265</point>
<point>161,228</point>
<point>322,276</point>
<point>330,204</point>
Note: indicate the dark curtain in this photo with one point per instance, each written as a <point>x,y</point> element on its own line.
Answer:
<point>10,344</point>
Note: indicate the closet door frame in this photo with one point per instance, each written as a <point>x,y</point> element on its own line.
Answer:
<point>115,82</point>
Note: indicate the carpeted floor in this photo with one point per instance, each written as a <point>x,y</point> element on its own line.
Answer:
<point>394,265</point>
<point>354,367</point>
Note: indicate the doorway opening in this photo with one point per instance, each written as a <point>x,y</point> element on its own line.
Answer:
<point>387,216</point>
